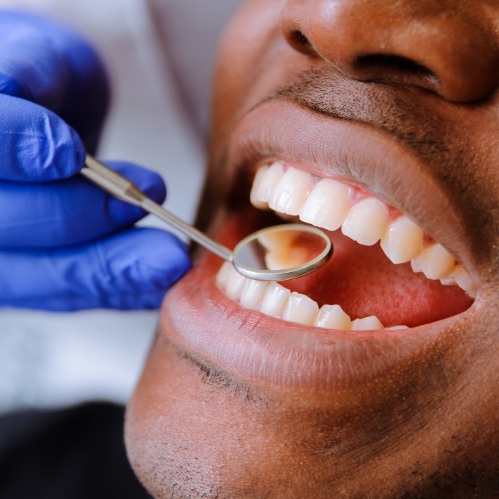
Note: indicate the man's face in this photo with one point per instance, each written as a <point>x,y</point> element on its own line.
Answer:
<point>374,120</point>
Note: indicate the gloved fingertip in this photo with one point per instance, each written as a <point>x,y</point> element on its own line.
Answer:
<point>59,153</point>
<point>155,188</point>
<point>149,181</point>
<point>143,260</point>
<point>36,145</point>
<point>64,153</point>
<point>12,87</point>
<point>164,262</point>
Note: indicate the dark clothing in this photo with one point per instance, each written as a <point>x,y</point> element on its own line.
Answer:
<point>75,453</point>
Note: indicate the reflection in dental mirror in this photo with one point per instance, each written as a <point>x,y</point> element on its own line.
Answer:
<point>282,252</point>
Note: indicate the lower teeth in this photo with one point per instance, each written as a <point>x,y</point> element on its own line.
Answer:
<point>275,300</point>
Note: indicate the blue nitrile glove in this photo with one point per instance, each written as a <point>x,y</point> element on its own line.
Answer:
<point>64,243</point>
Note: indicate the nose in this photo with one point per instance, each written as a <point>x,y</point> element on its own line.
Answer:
<point>449,47</point>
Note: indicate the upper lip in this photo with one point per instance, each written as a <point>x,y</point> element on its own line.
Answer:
<point>355,153</point>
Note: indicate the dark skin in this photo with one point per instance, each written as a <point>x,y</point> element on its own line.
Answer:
<point>400,98</point>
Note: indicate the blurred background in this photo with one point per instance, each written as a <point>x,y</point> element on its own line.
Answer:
<point>159,55</point>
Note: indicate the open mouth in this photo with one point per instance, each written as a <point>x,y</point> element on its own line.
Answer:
<point>333,325</point>
<point>386,273</point>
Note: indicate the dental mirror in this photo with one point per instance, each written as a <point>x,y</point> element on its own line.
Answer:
<point>276,253</point>
<point>282,252</point>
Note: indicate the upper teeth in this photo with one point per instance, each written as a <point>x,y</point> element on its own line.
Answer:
<point>330,204</point>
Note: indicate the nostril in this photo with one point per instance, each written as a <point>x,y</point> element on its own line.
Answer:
<point>383,66</point>
<point>392,62</point>
<point>447,52</point>
<point>300,42</point>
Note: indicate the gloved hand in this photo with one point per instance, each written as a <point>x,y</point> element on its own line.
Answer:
<point>64,243</point>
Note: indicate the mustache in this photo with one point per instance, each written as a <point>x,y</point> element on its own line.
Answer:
<point>379,105</point>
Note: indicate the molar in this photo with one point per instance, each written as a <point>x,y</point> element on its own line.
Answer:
<point>367,324</point>
<point>463,280</point>
<point>434,261</point>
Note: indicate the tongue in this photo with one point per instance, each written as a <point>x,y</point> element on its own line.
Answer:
<point>364,282</point>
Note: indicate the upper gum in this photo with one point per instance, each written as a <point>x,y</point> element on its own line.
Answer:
<point>356,193</point>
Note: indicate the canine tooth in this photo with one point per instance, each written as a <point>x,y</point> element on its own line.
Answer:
<point>327,205</point>
<point>266,179</point>
<point>301,309</point>
<point>274,300</point>
<point>435,262</point>
<point>234,286</point>
<point>223,275</point>
<point>290,192</point>
<point>366,221</point>
<point>367,324</point>
<point>252,293</point>
<point>402,240</point>
<point>257,194</point>
<point>333,317</point>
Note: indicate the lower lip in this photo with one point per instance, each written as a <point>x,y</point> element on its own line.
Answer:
<point>254,348</point>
